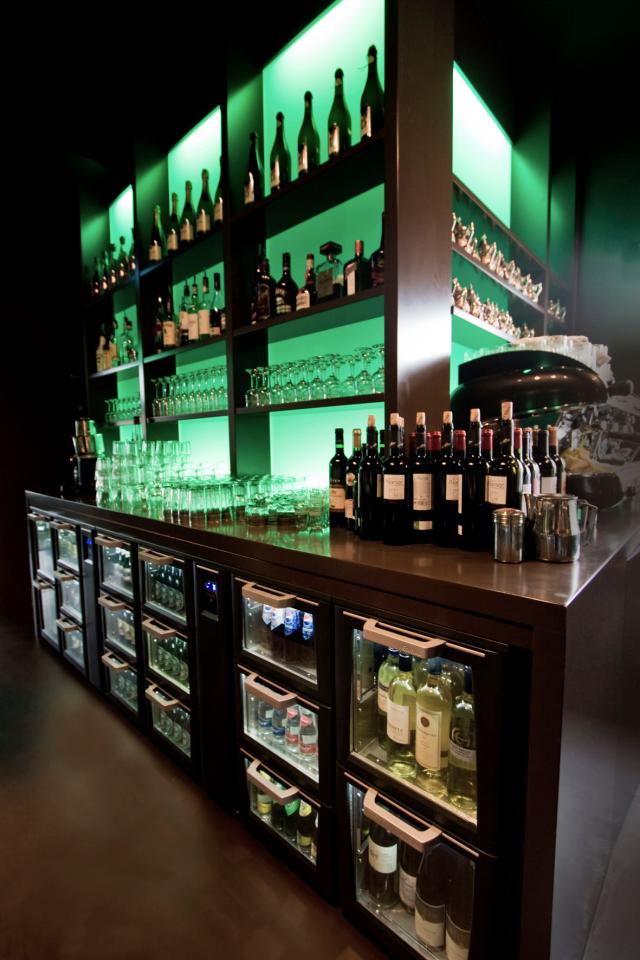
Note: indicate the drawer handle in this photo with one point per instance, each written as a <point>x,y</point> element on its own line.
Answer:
<point>151,694</point>
<point>110,604</point>
<point>61,525</point>
<point>265,693</point>
<point>67,626</point>
<point>263,595</point>
<point>63,577</point>
<point>151,556</point>
<point>37,516</point>
<point>42,585</point>
<point>406,642</point>
<point>418,839</point>
<point>114,663</point>
<point>265,786</point>
<point>157,629</point>
<point>103,541</point>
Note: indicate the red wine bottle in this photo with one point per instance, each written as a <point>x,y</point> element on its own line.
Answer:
<point>518,454</point>
<point>561,468</point>
<point>370,487</point>
<point>394,486</point>
<point>351,481</point>
<point>448,492</point>
<point>337,482</point>
<point>530,462</point>
<point>420,487</point>
<point>474,481</point>
<point>504,482</point>
<point>548,473</point>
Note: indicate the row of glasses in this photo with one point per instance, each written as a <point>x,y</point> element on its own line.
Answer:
<point>199,391</point>
<point>318,378</point>
<point>121,408</point>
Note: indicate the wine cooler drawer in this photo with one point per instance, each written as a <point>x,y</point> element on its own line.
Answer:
<point>118,623</point>
<point>418,890</point>
<point>163,584</point>
<point>66,537</point>
<point>287,635</point>
<point>70,594</point>
<point>288,728</point>
<point>41,534</point>
<point>170,720</point>
<point>122,681</point>
<point>115,564</point>
<point>46,610</point>
<point>72,642</point>
<point>168,653</point>
<point>293,824</point>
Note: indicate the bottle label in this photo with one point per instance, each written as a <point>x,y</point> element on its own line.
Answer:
<point>186,232</point>
<point>398,726</point>
<point>303,159</point>
<point>263,304</point>
<point>169,333</point>
<point>429,739</point>
<point>184,320</point>
<point>336,498</point>
<point>407,889</point>
<point>308,742</point>
<point>203,222</point>
<point>429,931</point>
<point>379,486</point>
<point>263,804</point>
<point>275,175</point>
<point>457,951</point>
<point>291,808</point>
<point>462,756</point>
<point>535,485</point>
<point>204,322</point>
<point>548,484</point>
<point>350,478</point>
<point>526,488</point>
<point>422,494</point>
<point>305,809</point>
<point>383,697</point>
<point>334,139</point>
<point>453,489</point>
<point>383,859</point>
<point>192,326</point>
<point>303,300</point>
<point>348,508</point>
<point>249,192</point>
<point>365,123</point>
<point>155,253</point>
<point>350,278</point>
<point>496,491</point>
<point>393,487</point>
<point>304,840</point>
<point>423,524</point>
<point>324,283</point>
<point>172,240</point>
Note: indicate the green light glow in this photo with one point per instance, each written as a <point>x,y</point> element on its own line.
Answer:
<point>209,443</point>
<point>340,37</point>
<point>93,237</point>
<point>530,184</point>
<point>481,149</point>
<point>121,218</point>
<point>467,341</point>
<point>201,147</point>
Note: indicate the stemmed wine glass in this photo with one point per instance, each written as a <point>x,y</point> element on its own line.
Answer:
<point>364,382</point>
<point>264,394</point>
<point>378,373</point>
<point>251,396</point>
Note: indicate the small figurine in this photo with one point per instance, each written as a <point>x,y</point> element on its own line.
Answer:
<point>454,225</point>
<point>517,278</point>
<point>472,249</point>
<point>500,264</point>
<point>474,302</point>
<point>459,295</point>
<point>459,232</point>
<point>510,272</point>
<point>536,291</point>
<point>484,249</point>
<point>471,232</point>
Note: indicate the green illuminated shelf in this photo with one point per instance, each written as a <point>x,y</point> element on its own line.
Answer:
<point>344,305</point>
<point>313,404</point>
<point>207,415</point>
<point>482,325</point>
<point>123,423</point>
<point>186,349</point>
<point>107,296</point>
<point>496,279</point>
<point>213,238</point>
<point>123,366</point>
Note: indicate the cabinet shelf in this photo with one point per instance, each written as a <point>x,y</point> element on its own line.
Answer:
<point>482,324</point>
<point>313,404</point>
<point>341,304</point>
<point>119,369</point>
<point>106,297</point>
<point>175,418</point>
<point>213,238</point>
<point>521,297</point>
<point>187,348</point>
<point>123,423</point>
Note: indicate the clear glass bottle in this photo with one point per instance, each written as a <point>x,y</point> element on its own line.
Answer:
<point>462,771</point>
<point>433,721</point>
<point>386,673</point>
<point>401,720</point>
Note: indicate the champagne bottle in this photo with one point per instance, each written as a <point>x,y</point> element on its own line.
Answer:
<point>188,218</point>
<point>339,120</point>
<point>204,215</point>
<point>382,880</point>
<point>350,478</point>
<point>337,482</point>
<point>173,233</point>
<point>253,179</point>
<point>372,100</point>
<point>308,139</point>
<point>462,770</point>
<point>395,515</point>
<point>431,897</point>
<point>386,673</point>
<point>460,910</point>
<point>218,201</point>
<point>401,720</point>
<point>433,717</point>
<point>408,875</point>
<point>280,160</point>
<point>156,242</point>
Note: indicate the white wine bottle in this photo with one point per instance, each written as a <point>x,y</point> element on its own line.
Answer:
<point>386,672</point>
<point>382,879</point>
<point>462,771</point>
<point>401,720</point>
<point>433,717</point>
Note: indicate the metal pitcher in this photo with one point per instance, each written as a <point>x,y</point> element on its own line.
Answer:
<point>561,522</point>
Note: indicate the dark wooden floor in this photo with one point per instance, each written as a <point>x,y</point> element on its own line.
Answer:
<point>107,852</point>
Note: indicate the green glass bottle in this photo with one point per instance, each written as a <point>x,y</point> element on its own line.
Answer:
<point>372,100</point>
<point>204,215</point>
<point>188,218</point>
<point>280,159</point>
<point>339,120</point>
<point>308,139</point>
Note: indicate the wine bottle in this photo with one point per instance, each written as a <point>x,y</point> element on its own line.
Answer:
<point>113,266</point>
<point>561,468</point>
<point>474,478</point>
<point>304,827</point>
<point>123,262</point>
<point>395,514</point>
<point>431,887</point>
<point>95,282</point>
<point>376,265</point>
<point>253,180</point>
<point>401,720</point>
<point>386,673</point>
<point>462,770</point>
<point>216,312</point>
<point>519,455</point>
<point>382,447</point>
<point>286,288</point>
<point>173,233</point>
<point>204,215</point>
<point>169,326</point>
<point>188,218</point>
<point>370,487</point>
<point>382,879</point>
<point>308,139</point>
<point>184,316</point>
<point>339,120</point>
<point>204,311</point>
<point>218,201</point>
<point>280,160</point>
<point>530,462</point>
<point>372,100</point>
<point>433,717</point>
<point>407,875</point>
<point>548,474</point>
<point>158,326</point>
<point>357,271</point>
<point>266,293</point>
<point>306,296</point>
<point>350,479</point>
<point>192,315</point>
<point>460,910</point>
<point>448,475</point>
<point>337,482</point>
<point>504,482</point>
<point>447,432</point>
<point>419,487</point>
<point>156,242</point>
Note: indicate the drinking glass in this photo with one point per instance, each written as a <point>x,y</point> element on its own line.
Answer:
<point>349,386</point>
<point>364,382</point>
<point>378,373</point>
<point>264,394</point>
<point>332,383</point>
<point>277,392</point>
<point>251,396</point>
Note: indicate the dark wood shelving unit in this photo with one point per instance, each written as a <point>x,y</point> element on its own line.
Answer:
<point>312,404</point>
<point>521,297</point>
<point>134,365</point>
<point>175,418</point>
<point>215,236</point>
<point>341,304</point>
<point>123,423</point>
<point>186,349</point>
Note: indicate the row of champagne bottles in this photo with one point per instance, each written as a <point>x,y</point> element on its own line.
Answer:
<point>201,316</point>
<point>110,270</point>
<point>444,491</point>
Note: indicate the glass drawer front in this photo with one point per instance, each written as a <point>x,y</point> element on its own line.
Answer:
<point>281,722</point>
<point>164,588</point>
<point>68,548</point>
<point>119,624</point>
<point>280,628</point>
<point>410,877</point>
<point>283,809</point>
<point>413,714</point>
<point>48,611</point>
<point>122,681</point>
<point>45,551</point>
<point>70,597</point>
<point>72,641</point>
<point>170,719</point>
<point>116,565</point>
<point>167,653</point>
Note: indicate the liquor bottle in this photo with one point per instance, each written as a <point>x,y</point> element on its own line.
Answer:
<point>156,242</point>
<point>204,213</point>
<point>350,478</point>
<point>419,494</point>
<point>253,180</point>
<point>548,473</point>
<point>113,267</point>
<point>530,462</point>
<point>337,482</point>
<point>407,875</point>
<point>280,160</point>
<point>306,296</point>
<point>504,482</point>
<point>266,294</point>
<point>382,873</point>
<point>188,218</point>
<point>475,527</point>
<point>286,288</point>
<point>561,469</point>
<point>433,717</point>
<point>357,271</point>
<point>431,896</point>
<point>95,281</point>
<point>128,349</point>
<point>308,139</point>
<point>370,487</point>
<point>218,200</point>
<point>372,100</point>
<point>330,273</point>
<point>123,262</point>
<point>376,264</point>
<point>447,493</point>
<point>462,772</point>
<point>169,339</point>
<point>386,673</point>
<point>158,327</point>
<point>395,512</point>
<point>401,720</point>
<point>304,827</point>
<point>339,120</point>
<point>518,454</point>
<point>184,316</point>
<point>460,910</point>
<point>133,259</point>
<point>204,311</point>
<point>215,312</point>
<point>309,739</point>
<point>192,315</point>
<point>173,233</point>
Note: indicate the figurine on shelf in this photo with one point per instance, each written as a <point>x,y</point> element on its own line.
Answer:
<point>459,232</point>
<point>498,264</point>
<point>517,279</point>
<point>472,249</point>
<point>488,312</point>
<point>459,295</point>
<point>474,302</point>
<point>536,291</point>
<point>510,272</point>
<point>485,249</point>
<point>471,232</point>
